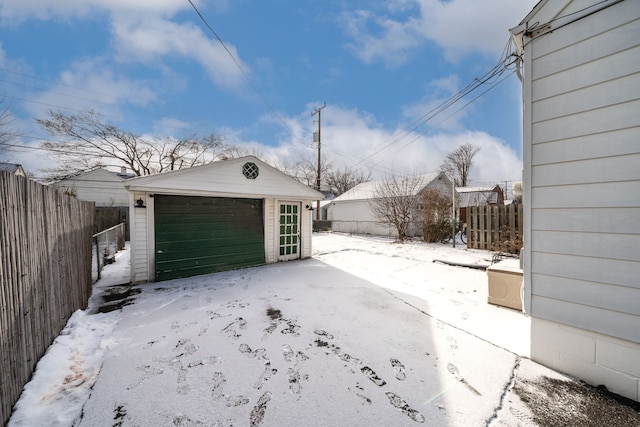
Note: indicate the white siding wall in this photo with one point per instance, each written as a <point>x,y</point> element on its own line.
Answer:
<point>306,229</point>
<point>582,186</point>
<point>355,216</point>
<point>140,239</point>
<point>99,186</point>
<point>142,235</point>
<point>270,230</point>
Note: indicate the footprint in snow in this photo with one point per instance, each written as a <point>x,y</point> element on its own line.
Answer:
<point>398,369</point>
<point>260,354</point>
<point>399,403</point>
<point>232,328</point>
<point>216,392</point>
<point>370,373</point>
<point>453,369</point>
<point>258,411</point>
<point>147,372</point>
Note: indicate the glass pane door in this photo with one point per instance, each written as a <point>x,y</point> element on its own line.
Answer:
<point>289,246</point>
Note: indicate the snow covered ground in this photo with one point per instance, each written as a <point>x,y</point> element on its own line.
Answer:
<point>367,332</point>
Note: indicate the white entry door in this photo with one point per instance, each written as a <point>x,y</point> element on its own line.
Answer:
<point>289,247</point>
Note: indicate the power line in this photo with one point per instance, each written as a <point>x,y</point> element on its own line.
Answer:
<point>421,134</point>
<point>52,82</point>
<point>91,100</point>
<point>246,76</point>
<point>496,71</point>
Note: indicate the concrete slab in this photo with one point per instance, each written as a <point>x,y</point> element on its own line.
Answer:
<point>332,349</point>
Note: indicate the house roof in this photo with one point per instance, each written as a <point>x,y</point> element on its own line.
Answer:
<point>367,190</point>
<point>12,167</point>
<point>225,178</point>
<point>473,189</point>
<point>98,174</point>
<point>476,196</point>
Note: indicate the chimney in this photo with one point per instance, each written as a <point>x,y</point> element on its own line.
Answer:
<point>123,170</point>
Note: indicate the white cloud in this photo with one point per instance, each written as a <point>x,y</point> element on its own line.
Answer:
<point>91,84</point>
<point>15,12</point>
<point>459,27</point>
<point>142,31</point>
<point>170,126</point>
<point>151,39</point>
<point>465,26</point>
<point>393,43</point>
<point>355,139</point>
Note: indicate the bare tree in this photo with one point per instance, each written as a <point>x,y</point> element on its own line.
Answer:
<point>342,180</point>
<point>87,142</point>
<point>435,210</point>
<point>395,202</point>
<point>7,133</point>
<point>306,170</point>
<point>457,164</point>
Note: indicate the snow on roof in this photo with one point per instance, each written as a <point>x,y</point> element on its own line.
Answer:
<point>473,189</point>
<point>367,190</point>
<point>476,196</point>
<point>11,167</point>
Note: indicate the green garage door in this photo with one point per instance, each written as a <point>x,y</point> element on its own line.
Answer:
<point>200,235</point>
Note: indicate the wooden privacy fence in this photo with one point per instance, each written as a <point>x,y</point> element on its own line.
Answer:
<point>496,228</point>
<point>45,275</point>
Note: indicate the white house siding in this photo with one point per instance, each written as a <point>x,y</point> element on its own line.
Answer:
<point>100,186</point>
<point>582,191</point>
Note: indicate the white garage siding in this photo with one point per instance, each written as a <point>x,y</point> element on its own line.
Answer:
<point>351,212</point>
<point>224,179</point>
<point>355,216</point>
<point>582,189</point>
<point>140,239</point>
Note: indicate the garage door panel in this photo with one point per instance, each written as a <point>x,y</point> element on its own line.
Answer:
<point>199,235</point>
<point>203,250</point>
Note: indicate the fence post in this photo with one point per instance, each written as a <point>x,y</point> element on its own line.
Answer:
<point>95,238</point>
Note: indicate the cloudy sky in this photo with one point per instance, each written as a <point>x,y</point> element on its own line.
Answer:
<point>154,67</point>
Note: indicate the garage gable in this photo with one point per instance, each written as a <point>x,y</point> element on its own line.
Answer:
<point>241,177</point>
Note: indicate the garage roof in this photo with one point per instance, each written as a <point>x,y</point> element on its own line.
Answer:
<point>369,190</point>
<point>242,177</point>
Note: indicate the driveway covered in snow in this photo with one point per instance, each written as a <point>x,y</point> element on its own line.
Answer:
<point>368,332</point>
<point>292,344</point>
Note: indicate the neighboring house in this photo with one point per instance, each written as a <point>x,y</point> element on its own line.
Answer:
<point>477,196</point>
<point>581,153</point>
<point>13,168</point>
<point>101,186</point>
<point>106,189</point>
<point>220,216</point>
<point>351,211</point>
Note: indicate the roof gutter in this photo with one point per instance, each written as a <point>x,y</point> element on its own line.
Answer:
<point>536,29</point>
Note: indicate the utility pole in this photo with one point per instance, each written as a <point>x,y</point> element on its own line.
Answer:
<point>317,139</point>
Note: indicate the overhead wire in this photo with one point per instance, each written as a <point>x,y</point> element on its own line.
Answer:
<point>244,73</point>
<point>486,78</point>
<point>68,95</point>
<point>489,77</point>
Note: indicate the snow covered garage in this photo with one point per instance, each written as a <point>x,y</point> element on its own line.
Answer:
<point>220,216</point>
